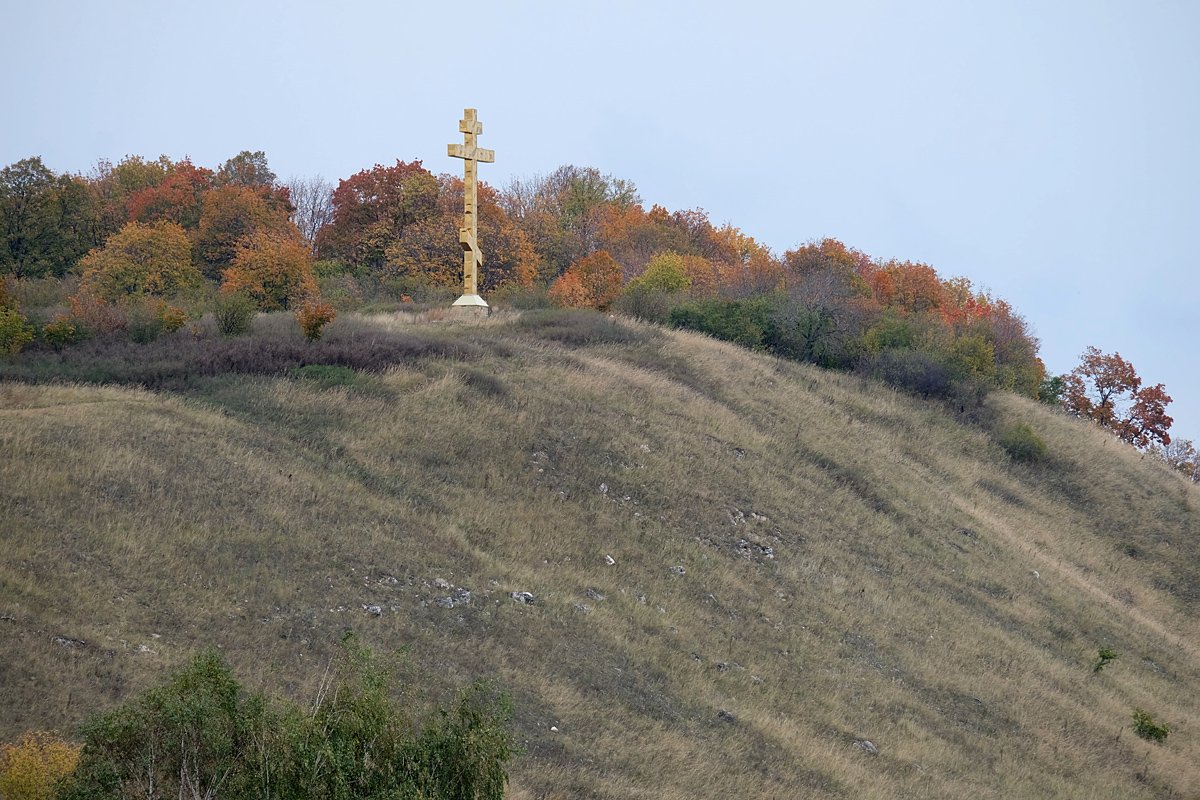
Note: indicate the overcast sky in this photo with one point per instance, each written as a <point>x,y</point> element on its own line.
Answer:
<point>1046,150</point>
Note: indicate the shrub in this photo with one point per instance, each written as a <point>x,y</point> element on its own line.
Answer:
<point>1023,444</point>
<point>60,332</point>
<point>15,331</point>
<point>745,322</point>
<point>234,312</point>
<point>1145,727</point>
<point>911,370</point>
<point>1104,656</point>
<point>202,735</point>
<point>149,317</point>
<point>96,315</point>
<point>652,305</point>
<point>313,315</point>
<point>32,768</point>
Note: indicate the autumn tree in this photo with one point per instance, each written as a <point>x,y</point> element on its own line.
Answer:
<point>562,214</point>
<point>246,169</point>
<point>177,198</point>
<point>428,251</point>
<point>113,186</point>
<point>32,767</point>
<point>373,208</point>
<point>140,260</point>
<point>666,272</point>
<point>593,282</point>
<point>232,212</point>
<point>273,269</point>
<point>1181,456</point>
<point>1107,389</point>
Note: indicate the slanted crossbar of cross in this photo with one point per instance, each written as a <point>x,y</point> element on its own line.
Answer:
<point>468,234</point>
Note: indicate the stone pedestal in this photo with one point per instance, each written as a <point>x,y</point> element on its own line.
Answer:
<point>471,305</point>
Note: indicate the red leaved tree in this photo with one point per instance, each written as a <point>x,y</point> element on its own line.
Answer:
<point>1107,389</point>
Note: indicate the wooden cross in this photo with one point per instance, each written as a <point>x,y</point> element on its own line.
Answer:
<point>468,234</point>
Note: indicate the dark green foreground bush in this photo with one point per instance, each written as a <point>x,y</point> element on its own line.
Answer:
<point>203,735</point>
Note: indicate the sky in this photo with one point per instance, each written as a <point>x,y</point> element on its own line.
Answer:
<point>1048,151</point>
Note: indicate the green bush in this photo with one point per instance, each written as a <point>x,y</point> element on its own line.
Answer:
<point>234,313</point>
<point>61,332</point>
<point>652,305</point>
<point>15,331</point>
<point>744,322</point>
<point>203,735</point>
<point>1051,390</point>
<point>1023,444</point>
<point>1145,727</point>
<point>1104,656</point>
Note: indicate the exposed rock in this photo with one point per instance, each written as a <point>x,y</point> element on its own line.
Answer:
<point>678,570</point>
<point>867,746</point>
<point>373,610</point>
<point>583,608</point>
<point>604,488</point>
<point>67,641</point>
<point>593,594</point>
<point>441,583</point>
<point>726,716</point>
<point>609,560</point>
<point>522,597</point>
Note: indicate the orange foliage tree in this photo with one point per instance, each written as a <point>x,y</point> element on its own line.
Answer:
<point>275,270</point>
<point>591,282</point>
<point>233,211</point>
<point>1107,389</point>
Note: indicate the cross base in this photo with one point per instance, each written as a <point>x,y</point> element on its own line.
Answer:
<point>472,305</point>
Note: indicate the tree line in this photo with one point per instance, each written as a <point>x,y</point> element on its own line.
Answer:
<point>138,234</point>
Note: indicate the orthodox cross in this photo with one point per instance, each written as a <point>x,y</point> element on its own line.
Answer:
<point>468,234</point>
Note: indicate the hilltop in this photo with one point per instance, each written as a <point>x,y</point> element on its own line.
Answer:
<point>740,570</point>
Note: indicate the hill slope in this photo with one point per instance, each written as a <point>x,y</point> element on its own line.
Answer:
<point>800,561</point>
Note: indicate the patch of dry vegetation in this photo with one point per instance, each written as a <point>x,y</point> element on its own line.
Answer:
<point>801,561</point>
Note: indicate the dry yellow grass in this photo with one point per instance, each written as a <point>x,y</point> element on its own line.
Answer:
<point>856,565</point>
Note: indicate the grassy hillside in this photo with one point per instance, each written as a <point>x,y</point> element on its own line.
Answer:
<point>741,568</point>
